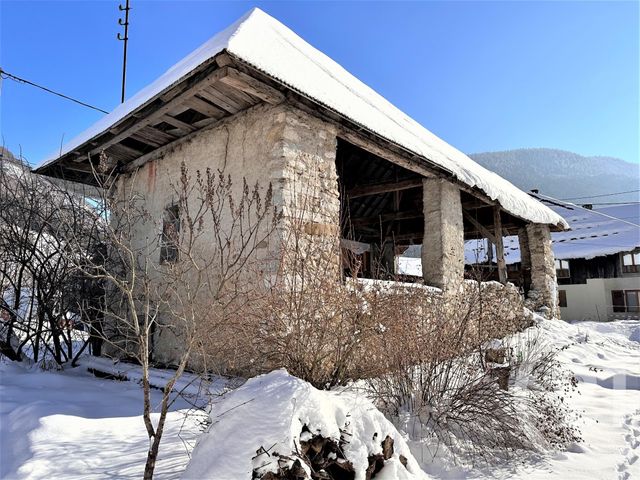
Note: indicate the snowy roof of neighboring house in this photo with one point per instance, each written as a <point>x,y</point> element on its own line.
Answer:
<point>267,45</point>
<point>597,232</point>
<point>594,233</point>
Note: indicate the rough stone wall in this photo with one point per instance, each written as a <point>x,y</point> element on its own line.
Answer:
<point>443,243</point>
<point>310,195</point>
<point>543,295</point>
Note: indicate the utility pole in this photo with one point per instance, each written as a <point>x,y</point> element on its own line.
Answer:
<point>124,39</point>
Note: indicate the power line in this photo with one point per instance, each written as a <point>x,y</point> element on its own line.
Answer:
<point>616,203</point>
<point>4,74</point>
<point>598,196</point>
<point>597,212</point>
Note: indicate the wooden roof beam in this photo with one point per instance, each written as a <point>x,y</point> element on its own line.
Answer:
<point>252,86</point>
<point>156,116</point>
<point>386,187</point>
<point>388,217</point>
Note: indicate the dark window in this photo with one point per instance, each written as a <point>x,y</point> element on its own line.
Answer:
<point>170,233</point>
<point>562,298</point>
<point>626,301</point>
<point>617,298</point>
<point>631,262</point>
<point>562,269</point>
<point>632,299</point>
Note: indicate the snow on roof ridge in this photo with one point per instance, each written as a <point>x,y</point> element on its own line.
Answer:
<point>271,47</point>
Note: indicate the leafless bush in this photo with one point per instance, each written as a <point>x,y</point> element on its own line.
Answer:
<point>455,381</point>
<point>40,289</point>
<point>173,279</point>
<point>306,318</point>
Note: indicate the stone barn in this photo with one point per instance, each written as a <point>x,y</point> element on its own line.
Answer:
<point>259,102</point>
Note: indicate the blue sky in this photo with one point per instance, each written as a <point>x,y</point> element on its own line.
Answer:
<point>482,75</point>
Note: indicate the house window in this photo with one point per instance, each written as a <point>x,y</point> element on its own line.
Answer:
<point>626,301</point>
<point>562,298</point>
<point>170,232</point>
<point>562,269</point>
<point>631,262</point>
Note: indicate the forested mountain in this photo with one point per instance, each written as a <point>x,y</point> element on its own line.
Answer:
<point>565,175</point>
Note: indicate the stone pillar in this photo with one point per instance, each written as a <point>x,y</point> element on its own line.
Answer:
<point>543,295</point>
<point>525,260</point>
<point>310,196</point>
<point>443,242</point>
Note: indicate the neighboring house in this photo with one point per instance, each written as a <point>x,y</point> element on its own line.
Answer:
<point>597,261</point>
<point>259,102</point>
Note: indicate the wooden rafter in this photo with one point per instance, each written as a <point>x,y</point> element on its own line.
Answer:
<point>481,228</point>
<point>387,217</point>
<point>386,187</point>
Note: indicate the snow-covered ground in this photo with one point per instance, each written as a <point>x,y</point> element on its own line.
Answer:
<point>73,425</point>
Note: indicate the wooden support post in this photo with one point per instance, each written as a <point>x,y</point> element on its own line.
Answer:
<point>497,227</point>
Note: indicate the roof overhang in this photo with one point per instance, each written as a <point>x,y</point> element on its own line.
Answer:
<point>257,60</point>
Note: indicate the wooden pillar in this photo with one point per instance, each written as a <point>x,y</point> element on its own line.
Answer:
<point>497,228</point>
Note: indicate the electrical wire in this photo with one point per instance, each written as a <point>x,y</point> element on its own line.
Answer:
<point>616,203</point>
<point>602,214</point>
<point>4,74</point>
<point>602,195</point>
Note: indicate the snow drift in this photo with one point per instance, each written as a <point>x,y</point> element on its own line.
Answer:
<point>269,416</point>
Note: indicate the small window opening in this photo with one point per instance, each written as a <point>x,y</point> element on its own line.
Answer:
<point>562,269</point>
<point>562,298</point>
<point>170,234</point>
<point>626,301</point>
<point>631,262</point>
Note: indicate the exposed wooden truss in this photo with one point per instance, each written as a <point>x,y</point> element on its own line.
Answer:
<point>216,91</point>
<point>385,187</point>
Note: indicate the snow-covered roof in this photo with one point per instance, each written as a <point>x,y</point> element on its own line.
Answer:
<point>597,232</point>
<point>264,43</point>
<point>594,233</point>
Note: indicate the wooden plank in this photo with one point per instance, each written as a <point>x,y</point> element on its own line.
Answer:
<point>386,217</point>
<point>481,228</point>
<point>216,97</point>
<point>179,124</point>
<point>138,162</point>
<point>154,135</point>
<point>204,107</point>
<point>497,226</point>
<point>376,189</point>
<point>236,95</point>
<point>125,150</point>
<point>205,122</point>
<point>163,110</point>
<point>254,87</point>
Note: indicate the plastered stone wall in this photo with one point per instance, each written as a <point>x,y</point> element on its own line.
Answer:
<point>278,145</point>
<point>443,243</point>
<point>543,295</point>
<point>245,146</point>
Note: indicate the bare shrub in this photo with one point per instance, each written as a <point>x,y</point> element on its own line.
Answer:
<point>172,282</point>
<point>40,289</point>
<point>306,318</point>
<point>454,381</point>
